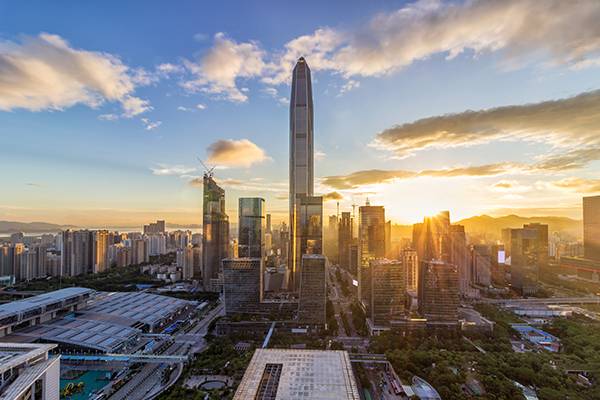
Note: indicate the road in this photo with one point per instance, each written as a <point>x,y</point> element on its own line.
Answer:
<point>147,383</point>
<point>545,301</point>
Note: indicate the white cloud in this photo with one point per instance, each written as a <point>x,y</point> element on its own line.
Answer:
<point>45,73</point>
<point>150,125</point>
<point>235,153</point>
<point>172,170</point>
<point>218,71</point>
<point>201,106</point>
<point>182,108</point>
<point>108,117</point>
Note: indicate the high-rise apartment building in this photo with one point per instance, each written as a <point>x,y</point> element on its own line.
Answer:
<point>344,239</point>
<point>103,239</point>
<point>460,256</point>
<point>77,252</point>
<point>242,285</point>
<point>371,245</point>
<point>388,291</point>
<point>438,291</point>
<point>591,227</point>
<point>301,156</point>
<point>313,290</point>
<point>308,236</point>
<point>251,227</point>
<point>215,228</point>
<point>481,265</point>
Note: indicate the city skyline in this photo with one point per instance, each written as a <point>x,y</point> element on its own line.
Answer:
<point>113,130</point>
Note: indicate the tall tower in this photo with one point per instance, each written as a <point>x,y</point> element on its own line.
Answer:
<point>215,233</point>
<point>301,157</point>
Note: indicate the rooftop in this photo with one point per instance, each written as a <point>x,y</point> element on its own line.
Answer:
<point>298,374</point>
<point>15,354</point>
<point>31,303</point>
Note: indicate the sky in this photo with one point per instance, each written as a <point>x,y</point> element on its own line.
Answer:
<point>477,107</point>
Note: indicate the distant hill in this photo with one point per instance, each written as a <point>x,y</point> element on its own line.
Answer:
<point>491,227</point>
<point>30,227</point>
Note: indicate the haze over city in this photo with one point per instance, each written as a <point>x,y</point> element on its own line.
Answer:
<point>422,106</point>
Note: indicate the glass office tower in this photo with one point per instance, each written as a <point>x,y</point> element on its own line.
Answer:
<point>215,230</point>
<point>251,227</point>
<point>301,154</point>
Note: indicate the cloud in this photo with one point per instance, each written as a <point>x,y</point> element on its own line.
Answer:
<point>320,155</point>
<point>568,122</point>
<point>218,71</point>
<point>45,73</point>
<point>201,106</point>
<point>108,117</point>
<point>168,69</point>
<point>580,185</point>
<point>348,86</point>
<point>332,196</point>
<point>524,31</point>
<point>170,170</point>
<point>509,186</point>
<point>235,153</point>
<point>182,108</point>
<point>150,125</point>
<point>376,176</point>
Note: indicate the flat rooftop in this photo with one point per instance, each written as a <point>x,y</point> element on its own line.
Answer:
<point>298,374</point>
<point>98,335</point>
<point>35,302</point>
<point>136,306</point>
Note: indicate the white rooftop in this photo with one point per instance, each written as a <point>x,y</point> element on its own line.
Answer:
<point>298,374</point>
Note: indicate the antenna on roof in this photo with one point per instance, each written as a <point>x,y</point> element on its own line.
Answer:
<point>207,171</point>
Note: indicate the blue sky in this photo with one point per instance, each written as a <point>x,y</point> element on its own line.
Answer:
<point>104,107</point>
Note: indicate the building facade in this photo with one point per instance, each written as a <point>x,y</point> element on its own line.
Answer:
<point>301,169</point>
<point>242,285</point>
<point>439,295</point>
<point>388,289</point>
<point>313,290</point>
<point>371,245</point>
<point>308,236</point>
<point>215,228</point>
<point>251,227</point>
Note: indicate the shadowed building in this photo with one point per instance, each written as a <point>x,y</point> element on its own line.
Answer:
<point>242,285</point>
<point>591,227</point>
<point>215,228</point>
<point>371,238</point>
<point>388,291</point>
<point>344,240</point>
<point>438,291</point>
<point>528,252</point>
<point>313,290</point>
<point>308,236</point>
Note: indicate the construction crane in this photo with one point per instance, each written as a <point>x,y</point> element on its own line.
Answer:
<point>207,171</point>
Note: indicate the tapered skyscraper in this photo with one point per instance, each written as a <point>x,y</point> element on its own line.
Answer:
<point>301,159</point>
<point>215,233</point>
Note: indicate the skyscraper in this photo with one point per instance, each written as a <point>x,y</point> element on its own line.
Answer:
<point>371,237</point>
<point>251,227</point>
<point>439,296</point>
<point>528,251</point>
<point>301,154</point>
<point>215,229</point>
<point>313,290</point>
<point>591,227</point>
<point>242,285</point>
<point>344,240</point>
<point>308,235</point>
<point>388,291</point>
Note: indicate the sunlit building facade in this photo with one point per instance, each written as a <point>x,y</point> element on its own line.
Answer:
<point>591,227</point>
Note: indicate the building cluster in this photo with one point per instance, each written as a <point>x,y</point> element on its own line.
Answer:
<point>82,252</point>
<point>287,262</point>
